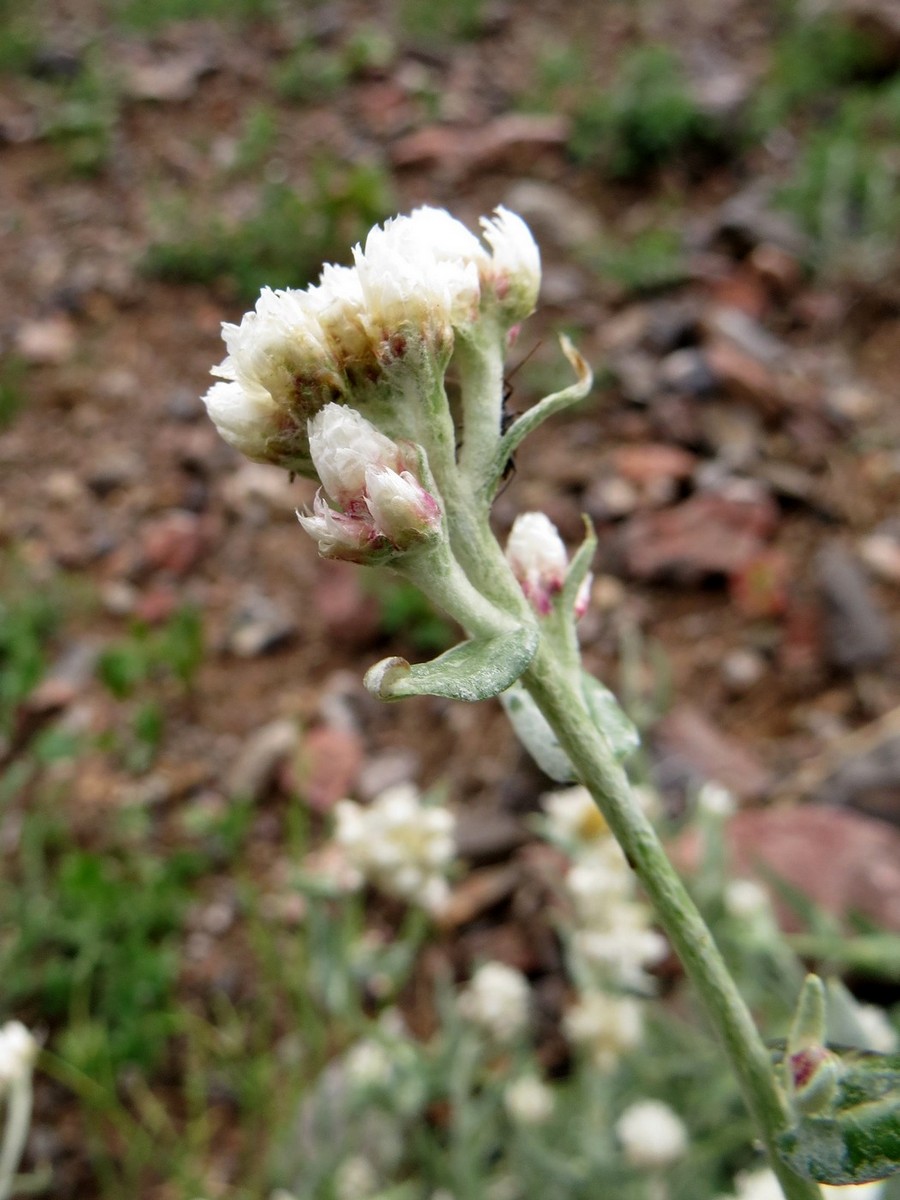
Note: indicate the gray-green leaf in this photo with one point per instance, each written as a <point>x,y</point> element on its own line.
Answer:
<point>473,670</point>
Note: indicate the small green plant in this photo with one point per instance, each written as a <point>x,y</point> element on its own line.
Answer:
<point>811,61</point>
<point>18,38</point>
<point>175,650</point>
<point>405,613</point>
<point>257,140</point>
<point>423,21</point>
<point>310,73</point>
<point>136,14</point>
<point>28,619</point>
<point>645,117</point>
<point>83,114</point>
<point>560,78</point>
<point>650,260</point>
<point>846,186</point>
<point>283,243</point>
<point>12,381</point>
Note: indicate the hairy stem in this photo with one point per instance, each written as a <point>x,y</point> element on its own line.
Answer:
<point>553,692</point>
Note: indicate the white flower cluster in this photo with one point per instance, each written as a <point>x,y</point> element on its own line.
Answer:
<point>400,844</point>
<point>611,939</point>
<point>539,561</point>
<point>652,1136</point>
<point>497,999</point>
<point>18,1050</point>
<point>381,507</point>
<point>417,281</point>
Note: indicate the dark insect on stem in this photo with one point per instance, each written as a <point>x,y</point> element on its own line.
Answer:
<point>508,418</point>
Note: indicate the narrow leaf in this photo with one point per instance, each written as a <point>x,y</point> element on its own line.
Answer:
<point>610,718</point>
<point>531,728</point>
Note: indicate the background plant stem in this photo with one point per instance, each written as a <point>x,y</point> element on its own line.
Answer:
<point>560,701</point>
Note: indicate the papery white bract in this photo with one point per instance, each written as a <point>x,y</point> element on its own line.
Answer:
<point>573,818</point>
<point>246,417</point>
<point>338,534</point>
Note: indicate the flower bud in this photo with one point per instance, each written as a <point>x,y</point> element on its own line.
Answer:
<point>381,508</point>
<point>538,558</point>
<point>401,509</point>
<point>514,273</point>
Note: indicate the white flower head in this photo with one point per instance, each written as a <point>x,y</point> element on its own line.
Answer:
<point>605,1026</point>
<point>417,277</point>
<point>514,274</point>
<point>343,445</point>
<point>382,508</point>
<point>246,417</point>
<point>497,999</point>
<point>528,1100</point>
<point>400,844</point>
<point>18,1050</point>
<point>651,1135</point>
<point>538,558</point>
<point>279,369</point>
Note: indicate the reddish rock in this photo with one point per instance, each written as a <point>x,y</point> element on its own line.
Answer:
<point>508,140</point>
<point>350,613</point>
<point>328,766</point>
<point>651,462</point>
<point>156,605</point>
<point>760,587</point>
<point>175,542</point>
<point>709,534</point>
<point>745,377</point>
<point>690,744</point>
<point>846,862</point>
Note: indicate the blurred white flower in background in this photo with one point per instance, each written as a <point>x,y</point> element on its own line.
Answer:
<point>356,1179</point>
<point>400,843</point>
<point>529,1100</point>
<point>573,819</point>
<point>651,1135</point>
<point>880,1033</point>
<point>497,999</point>
<point>604,1026</point>
<point>714,800</point>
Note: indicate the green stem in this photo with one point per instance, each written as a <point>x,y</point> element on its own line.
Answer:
<point>553,691</point>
